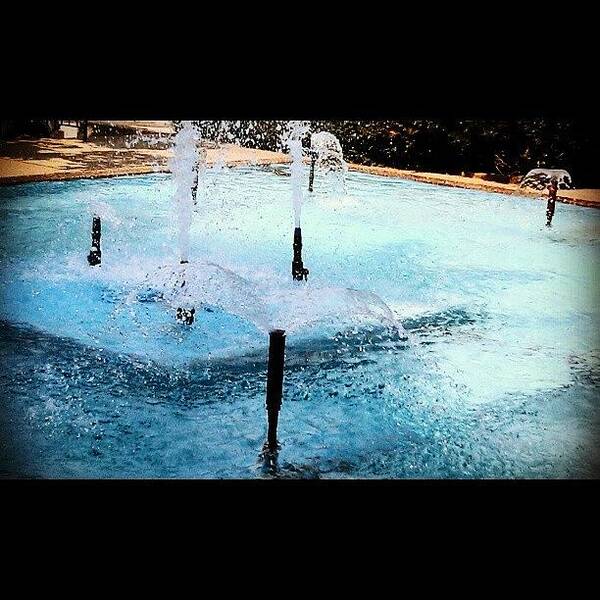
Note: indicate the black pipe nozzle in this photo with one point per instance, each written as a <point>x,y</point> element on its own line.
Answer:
<point>95,256</point>
<point>274,385</point>
<point>311,177</point>
<point>299,273</point>
<point>186,316</point>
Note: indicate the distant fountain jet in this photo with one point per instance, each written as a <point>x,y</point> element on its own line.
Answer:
<point>326,155</point>
<point>540,179</point>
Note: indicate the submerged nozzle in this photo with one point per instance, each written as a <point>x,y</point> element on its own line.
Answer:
<point>195,185</point>
<point>186,316</point>
<point>95,256</point>
<point>298,271</point>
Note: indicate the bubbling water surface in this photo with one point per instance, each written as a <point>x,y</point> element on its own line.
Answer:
<point>492,373</point>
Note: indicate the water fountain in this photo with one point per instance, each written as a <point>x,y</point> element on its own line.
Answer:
<point>267,306</point>
<point>102,381</point>
<point>186,169</point>
<point>326,156</point>
<point>293,140</point>
<point>540,178</point>
<point>231,305</point>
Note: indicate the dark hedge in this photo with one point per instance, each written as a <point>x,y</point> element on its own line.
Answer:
<point>504,148</point>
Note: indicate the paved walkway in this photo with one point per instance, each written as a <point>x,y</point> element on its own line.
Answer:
<point>52,159</point>
<point>582,197</point>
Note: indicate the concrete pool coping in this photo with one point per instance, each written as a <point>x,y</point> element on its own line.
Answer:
<point>48,159</point>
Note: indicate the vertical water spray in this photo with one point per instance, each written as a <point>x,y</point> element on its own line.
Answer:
<point>327,156</point>
<point>294,142</point>
<point>297,130</point>
<point>185,167</point>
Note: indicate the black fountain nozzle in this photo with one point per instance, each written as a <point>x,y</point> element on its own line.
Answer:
<point>95,256</point>
<point>186,316</point>
<point>195,185</point>
<point>274,386</point>
<point>298,271</point>
<point>311,177</point>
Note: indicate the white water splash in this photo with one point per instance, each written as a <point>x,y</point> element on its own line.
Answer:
<point>266,304</point>
<point>292,139</point>
<point>105,211</point>
<point>330,158</point>
<point>185,169</point>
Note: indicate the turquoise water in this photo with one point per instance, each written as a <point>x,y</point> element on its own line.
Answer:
<point>442,333</point>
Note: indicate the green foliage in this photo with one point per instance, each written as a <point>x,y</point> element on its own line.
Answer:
<point>504,148</point>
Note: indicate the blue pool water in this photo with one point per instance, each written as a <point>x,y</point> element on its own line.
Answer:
<point>442,333</point>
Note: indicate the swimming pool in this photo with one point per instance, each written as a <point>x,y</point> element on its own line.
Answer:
<point>443,332</point>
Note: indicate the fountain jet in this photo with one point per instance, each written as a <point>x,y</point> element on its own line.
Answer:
<point>326,155</point>
<point>95,256</point>
<point>186,168</point>
<point>297,129</point>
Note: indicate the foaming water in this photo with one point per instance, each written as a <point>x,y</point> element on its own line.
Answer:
<point>185,167</point>
<point>330,159</point>
<point>442,333</point>
<point>292,139</point>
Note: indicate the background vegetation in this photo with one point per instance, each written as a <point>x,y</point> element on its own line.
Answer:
<point>507,149</point>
